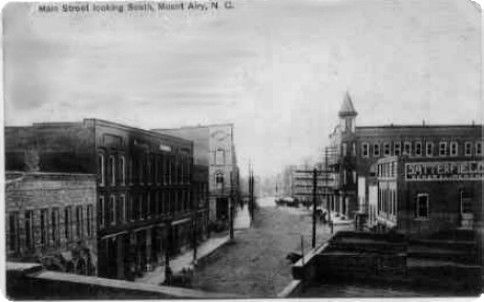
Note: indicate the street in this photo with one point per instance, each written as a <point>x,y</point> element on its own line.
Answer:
<point>255,264</point>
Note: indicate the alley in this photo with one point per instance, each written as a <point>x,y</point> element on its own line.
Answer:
<point>255,264</point>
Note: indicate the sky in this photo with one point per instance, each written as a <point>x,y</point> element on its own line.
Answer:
<point>277,69</point>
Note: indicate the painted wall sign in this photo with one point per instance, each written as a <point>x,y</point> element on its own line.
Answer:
<point>444,171</point>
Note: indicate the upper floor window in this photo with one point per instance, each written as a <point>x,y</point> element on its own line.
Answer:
<point>220,157</point>
<point>422,205</point>
<point>397,148</point>
<point>376,150</point>
<point>44,233</point>
<point>407,148</point>
<point>54,223</point>
<point>344,149</point>
<point>79,220</point>
<point>386,149</point>
<point>468,148</point>
<point>14,236</point>
<point>418,148</point>
<point>29,234</point>
<point>122,170</point>
<point>454,149</point>
<point>478,148</point>
<point>101,171</point>
<point>67,223</point>
<point>122,209</point>
<point>89,219</point>
<point>219,180</point>
<point>112,170</point>
<point>101,211</point>
<point>112,209</point>
<point>429,149</point>
<point>442,149</point>
<point>365,152</point>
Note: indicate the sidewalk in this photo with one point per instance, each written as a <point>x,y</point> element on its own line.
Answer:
<point>157,276</point>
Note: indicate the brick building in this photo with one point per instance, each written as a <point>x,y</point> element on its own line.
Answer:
<point>421,196</point>
<point>50,219</point>
<point>144,185</point>
<point>359,147</point>
<point>214,147</point>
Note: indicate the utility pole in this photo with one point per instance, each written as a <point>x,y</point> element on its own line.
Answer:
<point>231,206</point>
<point>315,185</point>
<point>328,203</point>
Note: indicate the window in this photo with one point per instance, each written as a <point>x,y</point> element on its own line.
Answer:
<point>422,205</point>
<point>29,234</point>
<point>157,169</point>
<point>67,223</point>
<point>220,157</point>
<point>89,220</point>
<point>129,208</point>
<point>365,150</point>
<point>122,170</point>
<point>147,169</point>
<point>122,209</point>
<point>55,226</point>
<point>465,201</point>
<point>14,231</point>
<point>102,172</point>
<point>219,181</point>
<point>442,149</point>
<point>418,148</point>
<point>386,149</point>
<point>397,148</point>
<point>149,202</point>
<point>142,207</point>
<point>112,209</point>
<point>454,148</point>
<point>354,176</point>
<point>101,212</point>
<point>376,150</point>
<point>407,148</point>
<point>429,149</point>
<point>345,180</point>
<point>478,148</point>
<point>344,149</point>
<point>112,170</point>
<point>79,231</point>
<point>44,233</point>
<point>468,148</point>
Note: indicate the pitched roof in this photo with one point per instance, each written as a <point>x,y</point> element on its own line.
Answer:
<point>347,107</point>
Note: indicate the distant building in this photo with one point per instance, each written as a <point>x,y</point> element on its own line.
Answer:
<point>214,147</point>
<point>144,185</point>
<point>421,196</point>
<point>356,149</point>
<point>50,219</point>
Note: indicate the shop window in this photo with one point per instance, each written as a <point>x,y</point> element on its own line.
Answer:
<point>429,149</point>
<point>468,148</point>
<point>54,224</point>
<point>29,234</point>
<point>14,236</point>
<point>365,150</point>
<point>67,223</point>
<point>386,149</point>
<point>376,150</point>
<point>101,171</point>
<point>407,148</point>
<point>442,149</point>
<point>478,148</point>
<point>397,148</point>
<point>418,148</point>
<point>422,205</point>
<point>454,149</point>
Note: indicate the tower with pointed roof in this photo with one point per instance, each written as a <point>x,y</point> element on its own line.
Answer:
<point>347,114</point>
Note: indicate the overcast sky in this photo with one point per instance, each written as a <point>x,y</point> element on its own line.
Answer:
<point>277,69</point>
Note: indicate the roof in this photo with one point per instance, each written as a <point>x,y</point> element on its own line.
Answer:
<point>347,108</point>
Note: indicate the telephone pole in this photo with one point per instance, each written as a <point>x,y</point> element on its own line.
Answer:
<point>328,203</point>
<point>315,185</point>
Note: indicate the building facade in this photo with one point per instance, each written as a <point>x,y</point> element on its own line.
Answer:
<point>50,219</point>
<point>144,185</point>
<point>422,196</point>
<point>214,147</point>
<point>358,148</point>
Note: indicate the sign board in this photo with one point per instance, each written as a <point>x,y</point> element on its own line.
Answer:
<point>444,171</point>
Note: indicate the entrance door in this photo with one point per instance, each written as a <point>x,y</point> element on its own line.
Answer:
<point>466,215</point>
<point>222,208</point>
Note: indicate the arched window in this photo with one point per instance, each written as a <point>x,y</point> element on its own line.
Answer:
<point>219,180</point>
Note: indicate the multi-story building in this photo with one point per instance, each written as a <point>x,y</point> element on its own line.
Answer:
<point>50,219</point>
<point>144,189</point>
<point>359,148</point>
<point>214,147</point>
<point>422,196</point>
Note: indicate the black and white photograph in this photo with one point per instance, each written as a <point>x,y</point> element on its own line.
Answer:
<point>242,149</point>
